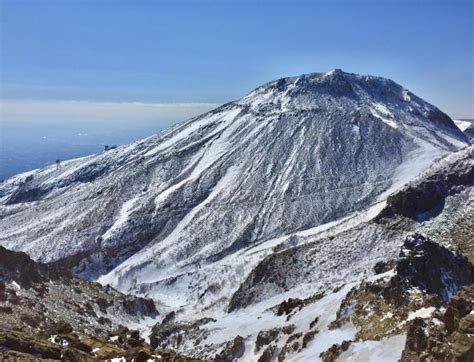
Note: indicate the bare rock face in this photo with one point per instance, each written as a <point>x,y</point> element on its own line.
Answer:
<point>269,270</point>
<point>451,341</point>
<point>432,268</point>
<point>458,307</point>
<point>428,194</point>
<point>287,306</point>
<point>469,132</point>
<point>18,266</point>
<point>268,354</point>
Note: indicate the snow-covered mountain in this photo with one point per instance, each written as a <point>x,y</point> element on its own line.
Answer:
<point>193,216</point>
<point>293,154</point>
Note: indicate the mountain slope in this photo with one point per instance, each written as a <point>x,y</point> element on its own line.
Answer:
<point>47,313</point>
<point>270,208</point>
<point>34,296</point>
<point>293,154</point>
<point>355,287</point>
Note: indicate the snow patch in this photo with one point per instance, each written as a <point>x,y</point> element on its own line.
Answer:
<point>385,350</point>
<point>122,218</point>
<point>421,313</point>
<point>462,125</point>
<point>383,113</point>
<point>406,95</point>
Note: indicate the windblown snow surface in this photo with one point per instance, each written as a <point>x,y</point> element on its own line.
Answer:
<point>186,215</point>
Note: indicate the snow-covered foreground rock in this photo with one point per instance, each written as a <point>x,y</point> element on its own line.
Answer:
<point>274,200</point>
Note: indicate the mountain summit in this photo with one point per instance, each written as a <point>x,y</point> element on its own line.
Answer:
<point>293,154</point>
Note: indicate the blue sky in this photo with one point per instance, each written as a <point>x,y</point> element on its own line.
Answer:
<point>75,59</point>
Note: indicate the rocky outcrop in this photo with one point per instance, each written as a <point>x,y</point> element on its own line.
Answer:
<point>232,350</point>
<point>171,333</point>
<point>126,345</point>
<point>432,268</point>
<point>266,337</point>
<point>19,267</point>
<point>424,197</point>
<point>272,270</point>
<point>469,132</point>
<point>458,307</point>
<point>19,345</point>
<point>449,338</point>
<point>425,277</point>
<point>40,298</point>
<point>268,355</point>
<point>334,351</point>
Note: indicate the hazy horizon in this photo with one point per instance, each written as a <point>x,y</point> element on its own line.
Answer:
<point>204,52</point>
<point>122,70</point>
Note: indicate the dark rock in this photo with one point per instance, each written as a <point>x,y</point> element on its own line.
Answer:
<point>232,351</point>
<point>142,355</point>
<point>432,268</point>
<point>382,267</point>
<point>3,295</point>
<point>294,337</point>
<point>308,337</point>
<point>169,317</point>
<point>265,338</point>
<point>121,331</point>
<point>451,341</point>
<point>26,193</point>
<point>81,346</point>
<point>287,306</point>
<point>334,351</point>
<point>267,355</point>
<point>60,327</point>
<point>314,322</point>
<point>161,334</point>
<point>72,355</point>
<point>430,192</point>
<point>135,334</point>
<point>104,320</point>
<point>416,337</point>
<point>103,304</point>
<point>19,267</point>
<point>139,306</point>
<point>458,307</point>
<point>288,329</point>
